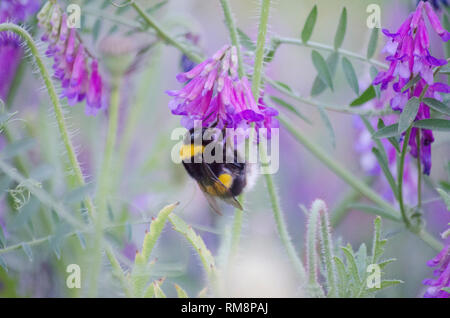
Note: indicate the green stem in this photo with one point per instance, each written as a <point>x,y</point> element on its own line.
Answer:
<point>352,180</point>
<point>419,172</point>
<point>329,48</point>
<point>104,180</point>
<point>260,46</point>
<point>400,178</point>
<point>279,219</point>
<point>165,35</point>
<point>74,164</point>
<point>231,24</point>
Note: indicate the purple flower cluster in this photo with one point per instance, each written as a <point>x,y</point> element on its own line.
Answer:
<point>409,56</point>
<point>10,49</point>
<point>442,262</point>
<point>79,78</point>
<point>216,95</point>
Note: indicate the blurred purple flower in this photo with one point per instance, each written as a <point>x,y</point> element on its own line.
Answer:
<point>10,49</point>
<point>409,56</point>
<point>442,273</point>
<point>71,60</point>
<point>216,95</point>
<point>186,63</point>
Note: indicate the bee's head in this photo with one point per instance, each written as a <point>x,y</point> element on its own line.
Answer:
<point>203,136</point>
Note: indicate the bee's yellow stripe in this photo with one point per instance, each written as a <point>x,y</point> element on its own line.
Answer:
<point>188,151</point>
<point>226,179</point>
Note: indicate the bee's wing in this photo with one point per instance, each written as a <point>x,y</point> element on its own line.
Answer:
<point>227,196</point>
<point>211,200</point>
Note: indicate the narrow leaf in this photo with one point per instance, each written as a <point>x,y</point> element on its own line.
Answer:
<point>367,95</point>
<point>433,124</point>
<point>158,292</point>
<point>392,140</point>
<point>26,248</point>
<point>3,264</point>
<point>341,29</point>
<point>196,241</point>
<point>387,131</point>
<point>372,43</point>
<point>18,147</point>
<point>437,105</point>
<point>351,262</point>
<point>350,75</point>
<point>322,68</point>
<point>371,209</point>
<point>408,114</point>
<point>2,238</point>
<point>309,25</point>
<point>318,85</point>
<point>327,122</point>
<point>82,240</point>
<point>96,29</point>
<point>411,83</point>
<point>180,292</point>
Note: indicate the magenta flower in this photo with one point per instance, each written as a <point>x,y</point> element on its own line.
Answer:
<point>71,60</point>
<point>442,262</point>
<point>10,49</point>
<point>216,95</point>
<point>409,56</point>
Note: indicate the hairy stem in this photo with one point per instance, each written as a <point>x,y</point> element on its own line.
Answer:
<point>74,164</point>
<point>231,24</point>
<point>419,172</point>
<point>260,46</point>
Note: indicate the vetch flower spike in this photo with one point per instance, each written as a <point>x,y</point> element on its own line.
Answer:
<point>442,262</point>
<point>215,94</point>
<point>410,58</point>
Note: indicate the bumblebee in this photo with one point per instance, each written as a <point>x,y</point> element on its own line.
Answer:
<point>225,178</point>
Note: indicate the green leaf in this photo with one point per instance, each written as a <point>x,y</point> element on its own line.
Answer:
<point>196,241</point>
<point>181,292</point>
<point>367,95</point>
<point>444,195</point>
<point>27,250</point>
<point>433,124</point>
<point>408,114</point>
<point>350,75</point>
<point>378,243</point>
<point>341,29</point>
<point>437,105</point>
<point>386,283</point>
<point>322,68</point>
<point>372,43</point>
<point>157,6</point>
<point>387,131</point>
<point>2,238</point>
<point>284,85</point>
<point>246,41</point>
<point>156,228</point>
<point>82,240</point>
<point>158,292</point>
<point>3,264</point>
<point>319,86</point>
<point>309,25</point>
<point>351,262</point>
<point>411,83</point>
<point>392,140</point>
<point>327,122</point>
<point>387,173</point>
<point>342,275</point>
<point>289,107</point>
